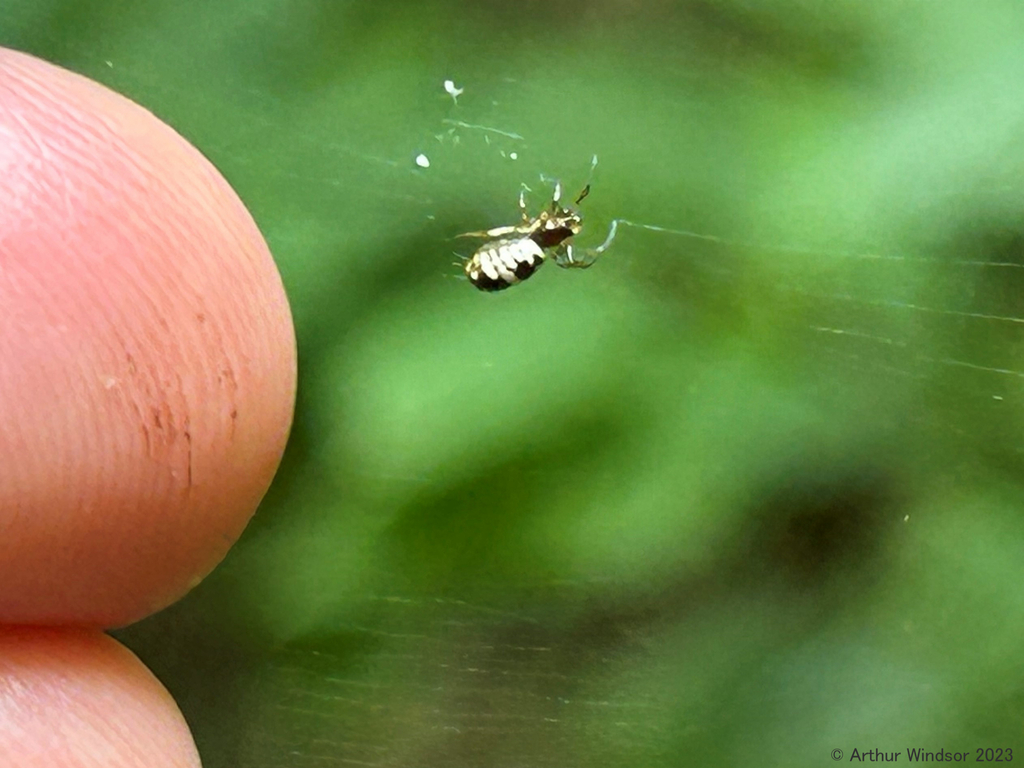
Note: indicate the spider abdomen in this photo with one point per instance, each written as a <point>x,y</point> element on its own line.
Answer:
<point>500,264</point>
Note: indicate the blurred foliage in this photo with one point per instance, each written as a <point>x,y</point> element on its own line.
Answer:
<point>729,500</point>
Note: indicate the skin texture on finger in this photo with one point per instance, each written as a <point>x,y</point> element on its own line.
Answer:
<point>147,356</point>
<point>75,698</point>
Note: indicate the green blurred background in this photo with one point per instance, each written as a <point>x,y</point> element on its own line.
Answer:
<point>730,501</point>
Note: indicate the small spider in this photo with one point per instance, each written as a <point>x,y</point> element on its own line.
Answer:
<point>519,250</point>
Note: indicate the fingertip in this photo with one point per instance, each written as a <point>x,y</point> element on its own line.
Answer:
<point>147,358</point>
<point>77,699</point>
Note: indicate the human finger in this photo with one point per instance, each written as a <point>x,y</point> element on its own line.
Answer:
<point>147,356</point>
<point>76,698</point>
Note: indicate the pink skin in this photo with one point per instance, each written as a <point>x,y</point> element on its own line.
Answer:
<point>147,379</point>
<point>75,698</point>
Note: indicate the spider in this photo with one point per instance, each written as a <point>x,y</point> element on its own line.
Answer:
<point>519,250</point>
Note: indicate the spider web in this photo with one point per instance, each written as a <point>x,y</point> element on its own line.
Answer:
<point>566,525</point>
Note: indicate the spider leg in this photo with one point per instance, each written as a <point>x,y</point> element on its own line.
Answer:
<point>496,232</point>
<point>567,257</point>
<point>522,205</point>
<point>608,240</point>
<point>556,197</point>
